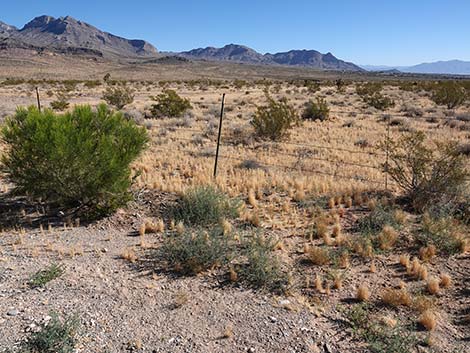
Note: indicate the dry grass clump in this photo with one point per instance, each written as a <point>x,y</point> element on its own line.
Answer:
<point>317,255</point>
<point>445,280</point>
<point>428,320</point>
<point>149,227</point>
<point>426,253</point>
<point>417,270</point>
<point>129,255</point>
<point>433,285</point>
<point>362,293</point>
<point>387,238</point>
<point>396,297</point>
<point>405,260</point>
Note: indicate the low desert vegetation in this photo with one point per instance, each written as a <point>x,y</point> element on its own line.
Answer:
<point>274,120</point>
<point>54,336</point>
<point>169,104</point>
<point>118,96</point>
<point>42,277</point>
<point>205,205</point>
<point>449,93</point>
<point>308,210</point>
<point>316,110</point>
<point>81,158</point>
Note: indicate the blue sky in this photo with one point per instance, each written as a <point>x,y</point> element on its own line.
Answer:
<point>380,32</point>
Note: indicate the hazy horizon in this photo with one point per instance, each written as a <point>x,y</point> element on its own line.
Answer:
<point>366,33</point>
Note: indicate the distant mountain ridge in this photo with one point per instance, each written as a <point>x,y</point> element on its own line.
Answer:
<point>70,35</point>
<point>450,67</point>
<point>243,54</point>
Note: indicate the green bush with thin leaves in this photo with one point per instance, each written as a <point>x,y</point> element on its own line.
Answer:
<point>450,94</point>
<point>118,96</point>
<point>55,336</point>
<point>262,269</point>
<point>79,160</point>
<point>44,276</point>
<point>427,174</point>
<point>317,110</point>
<point>205,205</point>
<point>169,104</point>
<point>193,252</point>
<point>274,120</point>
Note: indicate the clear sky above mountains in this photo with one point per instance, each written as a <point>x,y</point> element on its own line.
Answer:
<point>398,32</point>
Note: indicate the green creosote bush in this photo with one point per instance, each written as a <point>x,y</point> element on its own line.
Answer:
<point>450,94</point>
<point>205,205</point>
<point>169,104</point>
<point>274,120</point>
<point>317,110</point>
<point>79,160</point>
<point>426,174</point>
<point>118,96</point>
<point>262,269</point>
<point>55,336</point>
<point>194,252</point>
<point>42,277</point>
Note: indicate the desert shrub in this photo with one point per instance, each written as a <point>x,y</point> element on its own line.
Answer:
<point>426,175</point>
<point>379,337</point>
<point>441,231</point>
<point>61,103</point>
<point>118,96</point>
<point>377,219</point>
<point>205,205</point>
<point>274,120</point>
<point>79,159</point>
<point>316,110</point>
<point>368,88</point>
<point>371,94</point>
<point>450,94</point>
<point>169,104</point>
<point>92,84</point>
<point>262,269</point>
<point>193,252</point>
<point>379,101</point>
<point>55,336</point>
<point>42,277</point>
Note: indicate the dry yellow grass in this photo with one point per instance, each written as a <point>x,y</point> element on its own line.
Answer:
<point>428,320</point>
<point>362,293</point>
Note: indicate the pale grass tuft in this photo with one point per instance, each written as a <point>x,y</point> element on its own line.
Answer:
<point>373,268</point>
<point>396,297</point>
<point>446,280</point>
<point>317,255</point>
<point>387,238</point>
<point>362,293</point>
<point>129,255</point>
<point>427,253</point>
<point>433,285</point>
<point>428,320</point>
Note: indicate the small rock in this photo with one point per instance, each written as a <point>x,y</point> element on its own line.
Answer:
<point>13,312</point>
<point>273,319</point>
<point>251,350</point>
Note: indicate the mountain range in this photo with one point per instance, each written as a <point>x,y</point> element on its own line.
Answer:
<point>71,36</point>
<point>67,35</point>
<point>451,67</point>
<point>243,54</point>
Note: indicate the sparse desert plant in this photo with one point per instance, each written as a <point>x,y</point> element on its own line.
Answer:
<point>433,285</point>
<point>380,217</point>
<point>61,103</point>
<point>379,101</point>
<point>449,93</point>
<point>362,293</point>
<point>55,336</point>
<point>316,110</point>
<point>387,238</point>
<point>428,320</point>
<point>169,104</point>
<point>81,158</point>
<point>441,233</point>
<point>396,297</point>
<point>205,205</point>
<point>274,120</point>
<point>426,175</point>
<point>263,268</point>
<point>445,280</point>
<point>318,255</point>
<point>118,96</point>
<point>195,251</point>
<point>42,277</point>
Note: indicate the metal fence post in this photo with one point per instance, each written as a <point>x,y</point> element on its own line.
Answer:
<point>218,137</point>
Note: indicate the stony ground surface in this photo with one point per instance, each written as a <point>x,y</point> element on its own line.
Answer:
<point>129,306</point>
